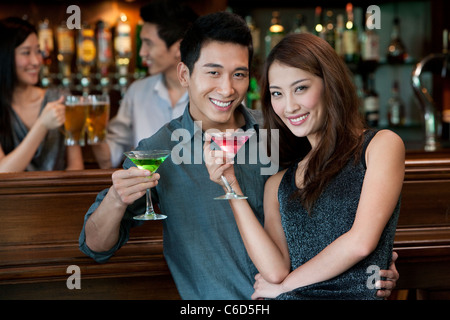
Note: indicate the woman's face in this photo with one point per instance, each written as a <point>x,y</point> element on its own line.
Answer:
<point>296,97</point>
<point>28,60</point>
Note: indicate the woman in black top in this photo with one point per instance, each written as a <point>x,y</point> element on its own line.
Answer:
<point>330,217</point>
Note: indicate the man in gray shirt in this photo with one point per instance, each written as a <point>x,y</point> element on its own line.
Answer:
<point>151,102</point>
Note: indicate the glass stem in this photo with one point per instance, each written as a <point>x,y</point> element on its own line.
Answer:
<point>149,206</point>
<point>227,185</point>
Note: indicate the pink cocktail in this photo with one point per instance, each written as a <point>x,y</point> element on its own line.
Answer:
<point>230,143</point>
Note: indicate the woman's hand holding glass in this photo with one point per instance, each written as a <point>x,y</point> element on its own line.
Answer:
<point>54,114</point>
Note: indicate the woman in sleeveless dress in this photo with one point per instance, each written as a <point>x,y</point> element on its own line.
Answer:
<point>331,214</point>
<point>30,117</point>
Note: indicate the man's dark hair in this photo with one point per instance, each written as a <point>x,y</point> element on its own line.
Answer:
<point>172,17</point>
<point>219,26</point>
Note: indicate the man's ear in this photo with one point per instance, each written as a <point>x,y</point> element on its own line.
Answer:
<point>183,74</point>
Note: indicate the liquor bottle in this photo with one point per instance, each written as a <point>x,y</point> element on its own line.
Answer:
<point>329,28</point>
<point>256,34</point>
<point>338,36</point>
<point>446,109</point>
<point>396,52</point>
<point>46,44</point>
<point>66,49</point>
<point>122,45</point>
<point>370,44</point>
<point>104,47</point>
<point>371,103</point>
<point>319,29</point>
<point>275,32</point>
<point>396,108</point>
<point>86,50</point>
<point>445,91</point>
<point>299,24</point>
<point>253,94</point>
<point>350,37</point>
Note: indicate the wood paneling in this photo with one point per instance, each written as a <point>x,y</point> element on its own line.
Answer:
<point>42,214</point>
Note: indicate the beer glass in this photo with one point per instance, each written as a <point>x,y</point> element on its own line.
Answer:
<point>75,124</point>
<point>98,116</point>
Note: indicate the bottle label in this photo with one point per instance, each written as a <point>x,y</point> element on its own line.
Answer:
<point>65,41</point>
<point>371,50</point>
<point>350,42</point>
<point>46,41</point>
<point>104,47</point>
<point>86,50</point>
<point>371,104</point>
<point>122,44</point>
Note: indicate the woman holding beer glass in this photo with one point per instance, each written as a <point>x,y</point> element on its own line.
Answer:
<point>30,117</point>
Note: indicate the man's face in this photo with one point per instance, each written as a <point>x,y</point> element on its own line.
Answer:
<point>155,53</point>
<point>217,84</point>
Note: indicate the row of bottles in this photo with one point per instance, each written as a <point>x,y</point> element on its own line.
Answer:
<point>92,57</point>
<point>358,47</point>
<point>445,77</point>
<point>352,43</point>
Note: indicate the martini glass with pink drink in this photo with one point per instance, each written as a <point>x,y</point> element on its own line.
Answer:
<point>230,143</point>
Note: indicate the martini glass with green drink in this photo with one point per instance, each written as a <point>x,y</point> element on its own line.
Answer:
<point>148,160</point>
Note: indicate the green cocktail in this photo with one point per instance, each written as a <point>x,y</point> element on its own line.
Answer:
<point>149,164</point>
<point>148,160</point>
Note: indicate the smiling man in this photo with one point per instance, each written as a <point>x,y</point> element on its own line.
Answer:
<point>202,245</point>
<point>151,102</point>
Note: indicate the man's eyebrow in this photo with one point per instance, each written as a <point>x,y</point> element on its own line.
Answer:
<point>216,65</point>
<point>212,65</point>
<point>242,69</point>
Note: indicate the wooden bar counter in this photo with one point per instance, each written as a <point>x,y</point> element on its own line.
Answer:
<point>42,214</point>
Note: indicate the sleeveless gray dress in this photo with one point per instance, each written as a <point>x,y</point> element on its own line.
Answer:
<point>51,153</point>
<point>334,213</point>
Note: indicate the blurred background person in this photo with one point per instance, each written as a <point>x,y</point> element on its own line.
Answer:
<point>31,138</point>
<point>151,102</point>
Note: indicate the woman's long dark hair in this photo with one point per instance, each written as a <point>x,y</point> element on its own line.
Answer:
<point>14,32</point>
<point>341,137</point>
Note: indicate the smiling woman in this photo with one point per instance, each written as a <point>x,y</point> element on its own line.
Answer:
<point>30,117</point>
<point>332,212</point>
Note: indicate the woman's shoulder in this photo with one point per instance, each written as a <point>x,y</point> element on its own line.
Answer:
<point>275,180</point>
<point>386,137</point>
<point>386,144</point>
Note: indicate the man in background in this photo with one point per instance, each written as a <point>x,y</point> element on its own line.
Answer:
<point>151,102</point>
